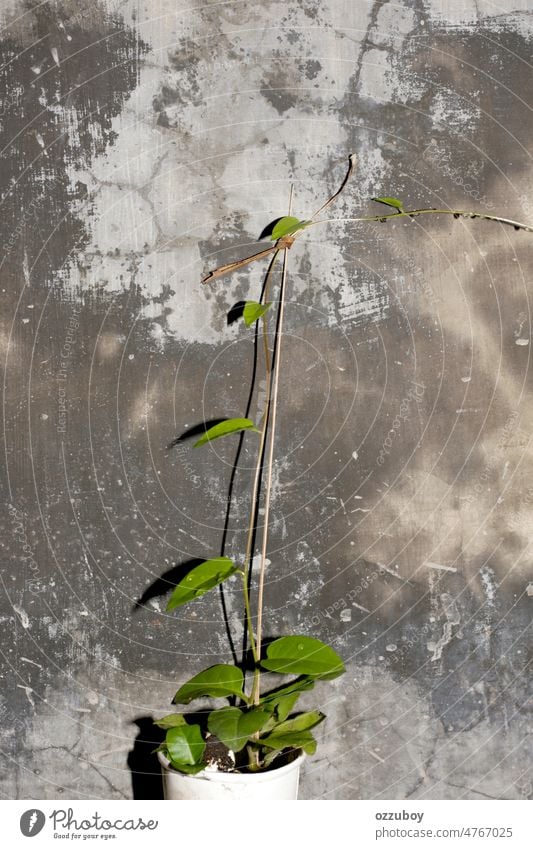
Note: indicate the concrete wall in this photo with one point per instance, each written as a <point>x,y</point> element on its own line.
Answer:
<point>146,142</point>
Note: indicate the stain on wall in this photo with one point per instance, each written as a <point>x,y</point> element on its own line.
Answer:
<point>144,143</point>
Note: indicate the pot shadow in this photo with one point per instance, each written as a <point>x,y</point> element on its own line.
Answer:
<point>146,781</point>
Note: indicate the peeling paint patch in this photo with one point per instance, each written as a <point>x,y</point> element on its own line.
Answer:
<point>56,115</point>
<point>23,616</point>
<point>453,618</point>
<point>489,585</point>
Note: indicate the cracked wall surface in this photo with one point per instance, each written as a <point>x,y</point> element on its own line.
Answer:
<point>144,143</point>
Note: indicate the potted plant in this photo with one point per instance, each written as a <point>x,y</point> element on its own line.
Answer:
<point>251,742</point>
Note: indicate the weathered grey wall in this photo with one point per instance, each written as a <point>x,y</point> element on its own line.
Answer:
<point>144,143</point>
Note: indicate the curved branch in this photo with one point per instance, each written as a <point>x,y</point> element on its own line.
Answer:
<point>414,213</point>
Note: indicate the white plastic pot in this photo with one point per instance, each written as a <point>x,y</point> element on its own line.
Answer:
<point>276,784</point>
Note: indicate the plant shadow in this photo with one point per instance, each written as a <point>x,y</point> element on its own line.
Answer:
<point>197,430</point>
<point>267,231</point>
<point>236,312</point>
<point>166,581</point>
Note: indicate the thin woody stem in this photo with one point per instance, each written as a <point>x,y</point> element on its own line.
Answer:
<point>257,472</point>
<point>253,754</point>
<point>230,267</point>
<point>266,351</point>
<point>255,492</point>
<point>414,213</point>
<point>248,615</point>
<point>272,414</point>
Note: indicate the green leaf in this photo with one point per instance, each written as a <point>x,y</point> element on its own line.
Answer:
<point>302,656</point>
<point>188,769</point>
<point>224,429</point>
<point>394,202</point>
<point>219,681</point>
<point>173,720</point>
<point>287,225</point>
<point>199,580</point>
<point>302,722</point>
<point>285,705</point>
<point>270,757</point>
<point>185,745</point>
<point>295,740</point>
<point>298,686</point>
<point>233,726</point>
<point>253,311</point>
<point>284,699</point>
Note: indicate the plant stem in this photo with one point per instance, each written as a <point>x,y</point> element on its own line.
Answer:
<point>270,418</point>
<point>230,267</point>
<point>248,616</point>
<point>255,493</point>
<point>414,213</point>
<point>270,410</point>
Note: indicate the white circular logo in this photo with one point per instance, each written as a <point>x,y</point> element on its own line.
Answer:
<point>32,822</point>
